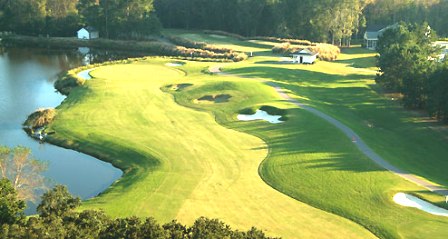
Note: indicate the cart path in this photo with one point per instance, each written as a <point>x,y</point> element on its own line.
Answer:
<point>362,146</point>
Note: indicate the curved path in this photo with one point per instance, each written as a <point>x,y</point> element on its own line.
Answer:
<point>362,146</point>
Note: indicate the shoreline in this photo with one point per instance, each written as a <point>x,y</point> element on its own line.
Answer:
<point>149,47</point>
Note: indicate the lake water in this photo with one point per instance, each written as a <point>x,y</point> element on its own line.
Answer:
<point>26,84</point>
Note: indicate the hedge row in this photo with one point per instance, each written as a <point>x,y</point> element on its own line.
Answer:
<point>197,45</point>
<point>151,47</point>
<point>327,52</point>
<point>285,40</point>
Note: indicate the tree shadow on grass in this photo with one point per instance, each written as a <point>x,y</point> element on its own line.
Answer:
<point>304,134</point>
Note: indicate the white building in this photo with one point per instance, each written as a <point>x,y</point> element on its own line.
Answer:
<point>305,56</point>
<point>88,33</point>
<point>444,47</point>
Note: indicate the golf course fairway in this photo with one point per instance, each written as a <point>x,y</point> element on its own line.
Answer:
<point>299,179</point>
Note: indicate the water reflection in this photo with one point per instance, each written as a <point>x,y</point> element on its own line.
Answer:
<point>26,84</point>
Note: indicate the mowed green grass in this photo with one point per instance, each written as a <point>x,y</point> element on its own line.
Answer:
<point>406,138</point>
<point>179,162</point>
<point>314,162</point>
<point>308,159</point>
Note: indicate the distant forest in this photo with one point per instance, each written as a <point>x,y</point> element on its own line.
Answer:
<point>334,21</point>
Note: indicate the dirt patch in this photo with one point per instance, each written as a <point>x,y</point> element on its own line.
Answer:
<point>222,98</point>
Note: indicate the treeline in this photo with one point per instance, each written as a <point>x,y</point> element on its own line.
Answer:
<point>334,21</point>
<point>59,217</point>
<point>387,12</point>
<point>412,66</point>
<point>114,18</point>
<point>317,20</point>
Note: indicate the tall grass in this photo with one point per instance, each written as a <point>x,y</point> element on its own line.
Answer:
<point>327,52</point>
<point>40,118</point>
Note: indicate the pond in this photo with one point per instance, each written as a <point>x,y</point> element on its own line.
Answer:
<point>26,84</point>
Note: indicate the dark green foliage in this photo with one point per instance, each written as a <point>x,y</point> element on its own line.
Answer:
<point>57,203</point>
<point>11,209</point>
<point>58,219</point>
<point>410,65</point>
<point>406,62</point>
<point>129,19</point>
<point>438,93</point>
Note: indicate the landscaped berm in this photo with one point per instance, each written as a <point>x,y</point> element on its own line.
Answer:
<point>302,178</point>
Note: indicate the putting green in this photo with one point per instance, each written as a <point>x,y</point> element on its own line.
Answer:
<point>179,162</point>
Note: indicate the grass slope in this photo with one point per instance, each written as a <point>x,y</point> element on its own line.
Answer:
<point>179,162</point>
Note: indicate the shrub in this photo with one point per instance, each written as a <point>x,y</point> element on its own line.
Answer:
<point>327,52</point>
<point>66,83</point>
<point>40,118</point>
<point>283,48</point>
<point>285,40</point>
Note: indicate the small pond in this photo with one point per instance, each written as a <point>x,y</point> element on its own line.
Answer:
<point>26,84</point>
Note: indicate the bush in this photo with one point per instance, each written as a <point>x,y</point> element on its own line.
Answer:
<point>197,45</point>
<point>40,118</point>
<point>327,52</point>
<point>284,48</point>
<point>66,83</point>
<point>285,40</point>
<point>151,47</point>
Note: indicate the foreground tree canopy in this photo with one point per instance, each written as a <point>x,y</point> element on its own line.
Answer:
<point>58,219</point>
<point>424,82</point>
<point>333,21</point>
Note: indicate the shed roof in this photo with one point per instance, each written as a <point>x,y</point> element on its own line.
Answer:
<point>305,52</point>
<point>372,35</point>
<point>90,29</point>
<point>373,32</point>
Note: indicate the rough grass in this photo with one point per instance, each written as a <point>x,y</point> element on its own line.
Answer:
<point>179,162</point>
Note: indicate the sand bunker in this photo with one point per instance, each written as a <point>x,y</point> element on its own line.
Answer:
<point>261,115</point>
<point>216,98</point>
<point>178,87</point>
<point>218,36</point>
<point>411,201</point>
<point>85,74</point>
<point>174,64</point>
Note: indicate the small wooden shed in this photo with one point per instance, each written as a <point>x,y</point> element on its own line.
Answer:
<point>88,33</point>
<point>304,56</point>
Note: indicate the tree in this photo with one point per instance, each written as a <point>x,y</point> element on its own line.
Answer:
<point>437,93</point>
<point>11,208</point>
<point>57,203</point>
<point>24,172</point>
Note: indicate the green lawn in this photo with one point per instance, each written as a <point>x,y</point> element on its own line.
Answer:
<point>179,162</point>
<point>184,160</point>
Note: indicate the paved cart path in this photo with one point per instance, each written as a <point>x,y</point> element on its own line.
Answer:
<point>362,146</point>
